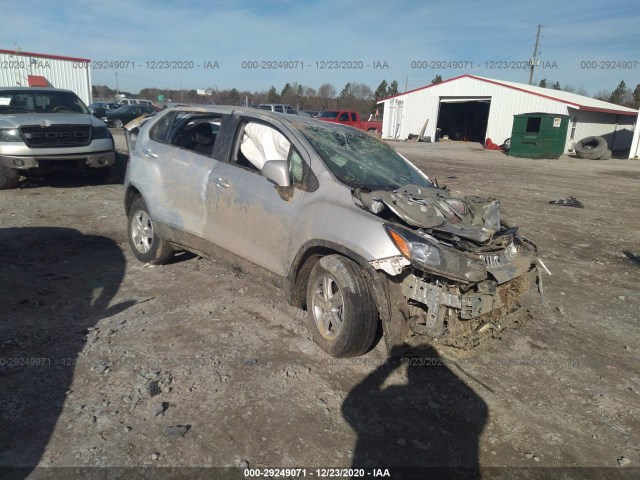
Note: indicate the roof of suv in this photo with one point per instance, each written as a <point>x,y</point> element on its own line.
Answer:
<point>293,120</point>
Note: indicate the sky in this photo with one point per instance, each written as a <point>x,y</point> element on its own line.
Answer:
<point>228,44</point>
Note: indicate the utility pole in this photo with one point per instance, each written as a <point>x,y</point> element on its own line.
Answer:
<point>406,83</point>
<point>532,62</point>
<point>117,89</point>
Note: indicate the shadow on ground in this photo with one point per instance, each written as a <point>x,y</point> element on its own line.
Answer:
<point>56,283</point>
<point>435,420</point>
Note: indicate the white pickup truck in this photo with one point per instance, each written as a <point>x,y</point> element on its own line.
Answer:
<point>49,129</point>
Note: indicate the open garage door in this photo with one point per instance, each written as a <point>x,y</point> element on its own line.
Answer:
<point>464,118</point>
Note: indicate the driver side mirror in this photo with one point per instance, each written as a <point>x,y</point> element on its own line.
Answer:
<point>277,171</point>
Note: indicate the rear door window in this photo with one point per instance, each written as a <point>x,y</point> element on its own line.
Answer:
<point>160,131</point>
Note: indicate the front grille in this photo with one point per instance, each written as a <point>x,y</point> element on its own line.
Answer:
<point>56,135</point>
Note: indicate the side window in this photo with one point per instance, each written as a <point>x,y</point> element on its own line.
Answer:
<point>278,108</point>
<point>257,143</point>
<point>160,131</point>
<point>290,110</point>
<point>195,132</point>
<point>344,117</point>
<point>353,117</point>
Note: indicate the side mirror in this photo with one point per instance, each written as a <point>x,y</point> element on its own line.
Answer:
<point>277,171</point>
<point>99,112</point>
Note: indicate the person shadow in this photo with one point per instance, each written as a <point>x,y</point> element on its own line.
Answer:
<point>429,426</point>
<point>56,283</point>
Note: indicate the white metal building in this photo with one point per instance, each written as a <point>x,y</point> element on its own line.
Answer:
<point>476,108</point>
<point>24,69</point>
<point>635,144</point>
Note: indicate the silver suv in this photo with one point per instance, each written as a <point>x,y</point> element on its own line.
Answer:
<point>44,129</point>
<point>349,229</point>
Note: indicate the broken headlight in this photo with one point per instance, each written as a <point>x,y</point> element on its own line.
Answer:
<point>427,254</point>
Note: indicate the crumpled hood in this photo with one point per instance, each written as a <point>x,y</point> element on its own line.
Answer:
<point>47,119</point>
<point>470,217</point>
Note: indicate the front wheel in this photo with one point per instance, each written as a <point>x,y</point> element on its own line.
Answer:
<point>118,123</point>
<point>342,313</point>
<point>144,241</point>
<point>8,178</point>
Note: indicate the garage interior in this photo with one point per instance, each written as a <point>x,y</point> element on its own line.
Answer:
<point>464,119</point>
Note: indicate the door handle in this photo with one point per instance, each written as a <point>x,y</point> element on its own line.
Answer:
<point>221,182</point>
<point>149,153</point>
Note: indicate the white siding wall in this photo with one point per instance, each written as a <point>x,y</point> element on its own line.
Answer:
<point>616,129</point>
<point>505,103</point>
<point>60,73</point>
<point>635,144</point>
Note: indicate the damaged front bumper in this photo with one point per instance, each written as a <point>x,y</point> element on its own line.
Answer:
<point>449,311</point>
<point>463,315</point>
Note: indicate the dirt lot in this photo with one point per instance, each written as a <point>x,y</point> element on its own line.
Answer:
<point>109,362</point>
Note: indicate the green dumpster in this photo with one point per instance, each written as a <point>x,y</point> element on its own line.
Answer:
<point>538,135</point>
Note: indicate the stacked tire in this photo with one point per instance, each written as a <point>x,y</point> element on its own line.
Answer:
<point>593,148</point>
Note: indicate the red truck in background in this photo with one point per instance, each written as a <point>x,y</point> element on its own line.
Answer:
<point>351,118</point>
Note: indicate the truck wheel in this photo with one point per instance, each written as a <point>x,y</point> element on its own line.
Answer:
<point>342,314</point>
<point>8,178</point>
<point>145,243</point>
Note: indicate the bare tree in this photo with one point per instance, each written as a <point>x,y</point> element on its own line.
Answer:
<point>327,90</point>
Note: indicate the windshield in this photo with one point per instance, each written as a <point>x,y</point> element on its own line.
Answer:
<point>360,160</point>
<point>331,115</point>
<point>38,101</point>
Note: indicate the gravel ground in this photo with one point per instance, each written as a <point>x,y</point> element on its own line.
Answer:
<point>109,362</point>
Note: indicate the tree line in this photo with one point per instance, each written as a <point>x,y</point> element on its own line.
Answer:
<point>621,95</point>
<point>353,96</point>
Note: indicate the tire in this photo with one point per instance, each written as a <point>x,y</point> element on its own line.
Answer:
<point>117,123</point>
<point>145,243</point>
<point>342,314</point>
<point>8,178</point>
<point>591,148</point>
<point>606,156</point>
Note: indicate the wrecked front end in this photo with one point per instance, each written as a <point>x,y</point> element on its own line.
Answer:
<point>463,275</point>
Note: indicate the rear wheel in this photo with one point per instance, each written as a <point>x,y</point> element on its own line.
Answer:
<point>118,123</point>
<point>8,178</point>
<point>343,317</point>
<point>144,241</point>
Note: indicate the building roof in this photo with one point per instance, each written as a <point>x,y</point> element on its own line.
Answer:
<point>573,99</point>
<point>43,55</point>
